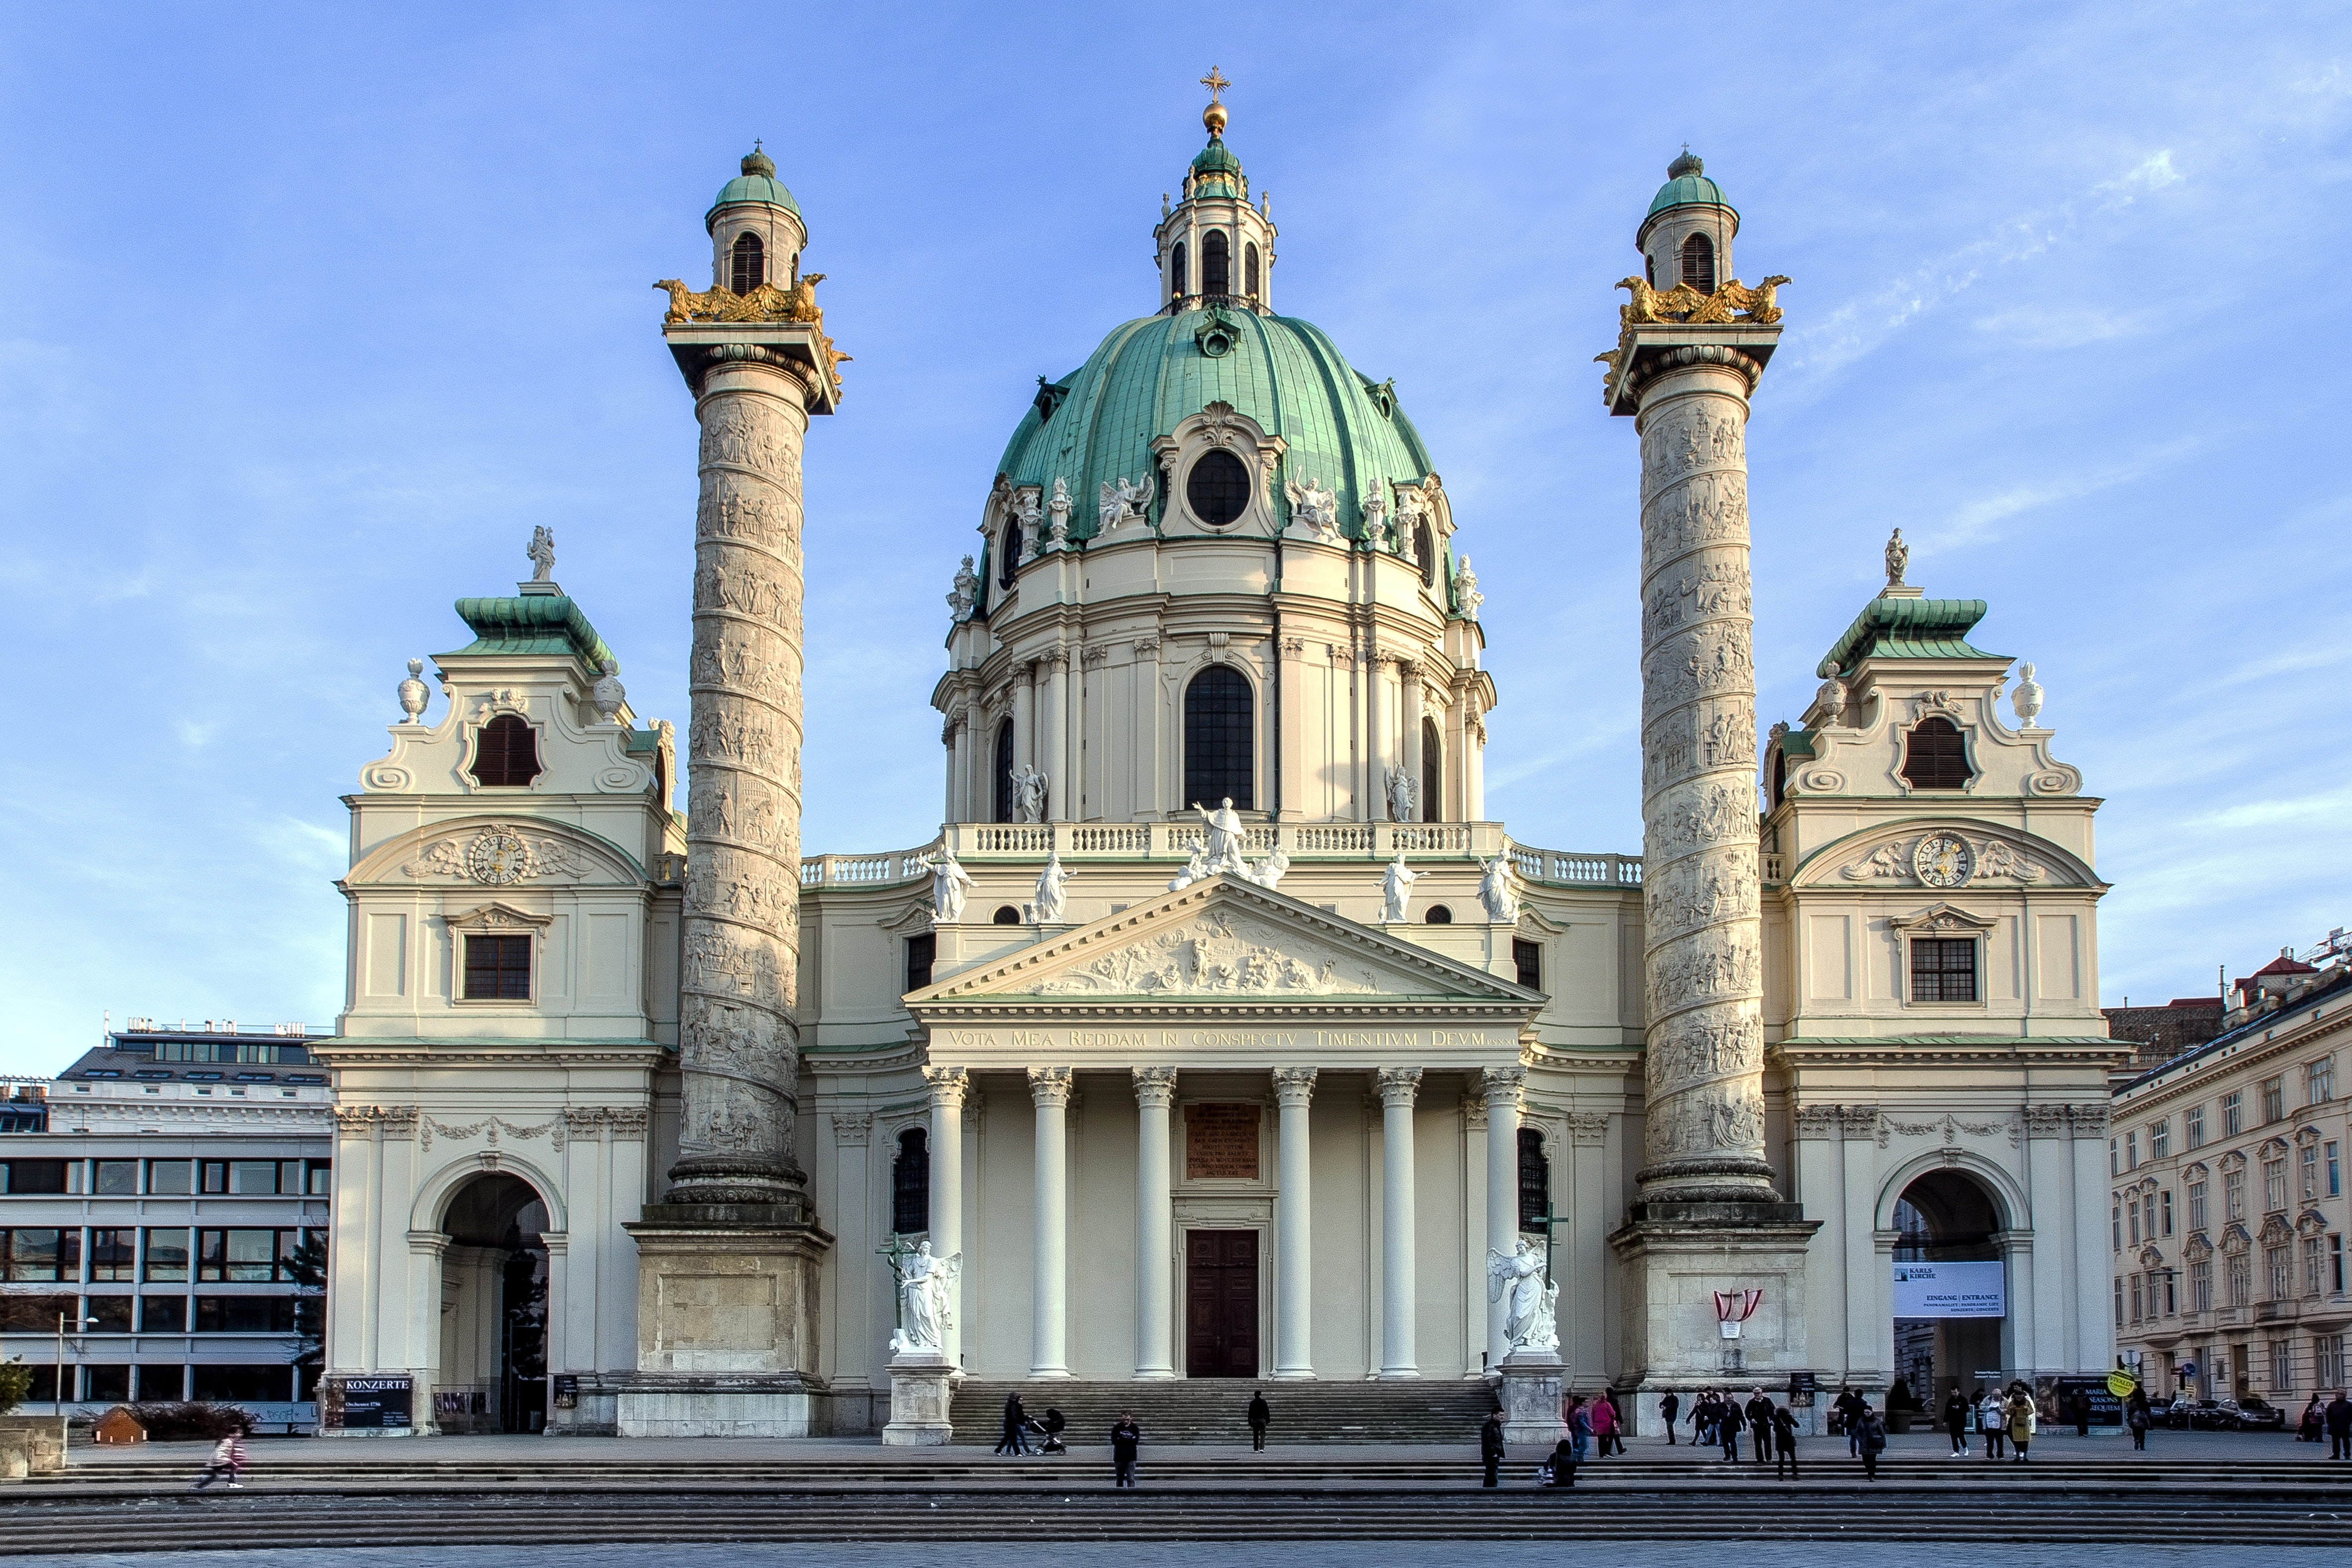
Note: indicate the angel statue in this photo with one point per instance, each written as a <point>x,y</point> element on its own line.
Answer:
<point>1466,590</point>
<point>1121,501</point>
<point>1267,872</point>
<point>949,881</point>
<point>1531,1323</point>
<point>1028,794</point>
<point>1404,792</point>
<point>966,592</point>
<point>1051,881</point>
<point>543,554</point>
<point>1316,510</point>
<point>926,1301</point>
<point>1396,889</point>
<point>1898,558</point>
<point>1196,870</point>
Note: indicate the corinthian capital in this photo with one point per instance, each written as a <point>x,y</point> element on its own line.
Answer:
<point>1294,1086</point>
<point>947,1086</point>
<point>1399,1085</point>
<point>1155,1088</point>
<point>1504,1086</point>
<point>1049,1085</point>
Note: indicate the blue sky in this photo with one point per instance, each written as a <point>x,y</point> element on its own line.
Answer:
<point>313,313</point>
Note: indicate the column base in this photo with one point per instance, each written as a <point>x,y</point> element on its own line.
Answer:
<point>922,1386</point>
<point>1534,1384</point>
<point>1400,1375</point>
<point>1674,1256</point>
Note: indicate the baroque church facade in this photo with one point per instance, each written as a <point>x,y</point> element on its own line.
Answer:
<point>1216,1031</point>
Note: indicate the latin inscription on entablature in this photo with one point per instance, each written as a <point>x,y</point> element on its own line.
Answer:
<point>1299,1047</point>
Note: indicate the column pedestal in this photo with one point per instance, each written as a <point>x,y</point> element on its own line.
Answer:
<point>726,1325</point>
<point>921,1388</point>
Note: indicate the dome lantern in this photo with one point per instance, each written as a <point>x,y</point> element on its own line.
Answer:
<point>756,229</point>
<point>1686,236</point>
<point>1213,244</point>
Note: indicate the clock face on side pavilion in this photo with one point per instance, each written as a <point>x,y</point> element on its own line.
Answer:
<point>498,858</point>
<point>1943,860</point>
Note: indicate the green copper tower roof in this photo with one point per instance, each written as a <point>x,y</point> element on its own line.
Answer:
<point>1342,429</point>
<point>1907,628</point>
<point>1688,187</point>
<point>757,183</point>
<point>539,623</point>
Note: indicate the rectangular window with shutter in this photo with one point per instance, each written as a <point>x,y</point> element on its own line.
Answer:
<point>1943,969</point>
<point>1527,961</point>
<point>497,968</point>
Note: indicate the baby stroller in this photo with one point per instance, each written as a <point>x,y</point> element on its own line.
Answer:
<point>1050,1428</point>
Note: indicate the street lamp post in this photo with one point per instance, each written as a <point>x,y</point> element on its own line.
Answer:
<point>80,1322</point>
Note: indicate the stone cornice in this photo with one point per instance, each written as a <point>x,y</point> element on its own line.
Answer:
<point>2093,1053</point>
<point>1149,1010</point>
<point>350,1051</point>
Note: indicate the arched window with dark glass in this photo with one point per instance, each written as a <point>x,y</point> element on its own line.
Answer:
<point>1006,915</point>
<point>1218,488</point>
<point>1220,753</point>
<point>1698,263</point>
<point>506,753</point>
<point>1438,915</point>
<point>1249,270</point>
<point>910,1182</point>
<point>1780,775</point>
<point>748,263</point>
<point>1535,1180</point>
<point>1176,272</point>
<point>1424,550</point>
<point>1935,757</point>
<point>1009,552</point>
<point>1217,264</point>
<point>1003,801</point>
<point>1433,773</point>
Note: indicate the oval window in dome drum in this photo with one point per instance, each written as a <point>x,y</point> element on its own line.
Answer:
<point>1218,489</point>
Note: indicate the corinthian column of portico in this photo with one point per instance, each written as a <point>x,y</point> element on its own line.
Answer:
<point>1049,1088</point>
<point>1704,1099</point>
<point>1400,1276</point>
<point>1294,1296</point>
<point>948,1085</point>
<point>1155,1223</point>
<point>738,1035</point>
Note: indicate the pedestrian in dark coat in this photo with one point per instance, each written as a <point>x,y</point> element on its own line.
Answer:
<point>1055,1422</point>
<point>2339,1427</point>
<point>1560,1470</point>
<point>1490,1447</point>
<point>2079,1407</point>
<point>1871,1428</point>
<point>2139,1417</point>
<point>1016,1425</point>
<point>1727,1425</point>
<point>1849,1406</point>
<point>1126,1438</point>
<point>1956,1419</point>
<point>1784,1441</point>
<point>1668,1408</point>
<point>1260,1414</point>
<point>1759,1423</point>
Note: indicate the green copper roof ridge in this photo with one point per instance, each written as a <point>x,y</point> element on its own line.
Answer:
<point>1907,628</point>
<point>535,624</point>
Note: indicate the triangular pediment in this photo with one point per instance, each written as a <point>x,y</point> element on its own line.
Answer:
<point>1225,941</point>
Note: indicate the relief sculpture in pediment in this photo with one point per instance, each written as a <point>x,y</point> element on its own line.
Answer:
<point>1210,957</point>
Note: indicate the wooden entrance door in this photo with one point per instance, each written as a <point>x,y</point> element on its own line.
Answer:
<point>1221,1303</point>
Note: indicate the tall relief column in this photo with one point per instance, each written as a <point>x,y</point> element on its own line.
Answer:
<point>1707,1219</point>
<point>727,1318</point>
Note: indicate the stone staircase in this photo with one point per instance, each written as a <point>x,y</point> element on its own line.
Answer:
<point>1187,1410</point>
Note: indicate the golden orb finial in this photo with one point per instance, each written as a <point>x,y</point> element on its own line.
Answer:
<point>1213,117</point>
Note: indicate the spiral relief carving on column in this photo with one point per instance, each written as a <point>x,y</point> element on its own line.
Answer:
<point>1704,952</point>
<point>738,1031</point>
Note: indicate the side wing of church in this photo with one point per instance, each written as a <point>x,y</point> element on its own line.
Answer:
<point>1216,1033</point>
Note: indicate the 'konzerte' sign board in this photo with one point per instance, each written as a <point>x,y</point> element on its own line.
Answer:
<point>1951,1291</point>
<point>1221,1142</point>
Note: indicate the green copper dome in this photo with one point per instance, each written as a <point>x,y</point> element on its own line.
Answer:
<point>1343,431</point>
<point>1688,187</point>
<point>757,183</point>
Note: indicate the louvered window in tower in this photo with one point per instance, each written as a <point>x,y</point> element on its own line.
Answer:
<point>1003,772</point>
<point>1217,264</point>
<point>1176,273</point>
<point>1249,270</point>
<point>1535,1180</point>
<point>1934,757</point>
<point>1219,738</point>
<point>750,264</point>
<point>506,753</point>
<point>1698,263</point>
<point>1433,773</point>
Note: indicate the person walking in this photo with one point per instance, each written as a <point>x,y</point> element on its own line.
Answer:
<point>2023,1419</point>
<point>1957,1421</point>
<point>2339,1427</point>
<point>1784,1441</point>
<point>1014,1440</point>
<point>1580,1427</point>
<point>1670,1406</point>
<point>1870,1432</point>
<point>1260,1415</point>
<point>1602,1415</point>
<point>2312,1422</point>
<point>1054,1426</point>
<point>2139,1417</point>
<point>1992,1420</point>
<point>2079,1407</point>
<point>1849,1406</point>
<point>1727,1425</point>
<point>1126,1439</point>
<point>1490,1447</point>
<point>1759,1423</point>
<point>228,1459</point>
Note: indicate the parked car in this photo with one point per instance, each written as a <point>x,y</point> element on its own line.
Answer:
<point>2185,1413</point>
<point>2255,1414</point>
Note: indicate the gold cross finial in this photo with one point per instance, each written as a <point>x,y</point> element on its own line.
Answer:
<point>1216,84</point>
